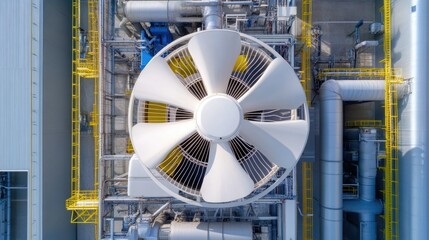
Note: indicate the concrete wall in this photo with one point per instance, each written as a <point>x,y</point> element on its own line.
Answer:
<point>57,119</point>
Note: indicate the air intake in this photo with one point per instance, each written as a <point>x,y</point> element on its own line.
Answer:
<point>220,116</point>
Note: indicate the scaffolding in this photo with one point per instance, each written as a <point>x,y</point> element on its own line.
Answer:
<point>84,204</point>
<point>307,167</point>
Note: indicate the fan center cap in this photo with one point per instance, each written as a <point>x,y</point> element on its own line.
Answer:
<point>218,117</point>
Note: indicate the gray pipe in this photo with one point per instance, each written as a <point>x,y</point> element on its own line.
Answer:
<point>367,206</point>
<point>183,11</point>
<point>209,230</point>
<point>414,129</point>
<point>367,164</point>
<point>332,95</point>
<point>162,11</point>
<point>213,17</point>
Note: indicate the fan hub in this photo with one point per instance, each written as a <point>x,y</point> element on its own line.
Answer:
<point>218,117</point>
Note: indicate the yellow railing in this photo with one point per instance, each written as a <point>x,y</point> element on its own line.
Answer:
<point>84,204</point>
<point>307,200</point>
<point>307,167</point>
<point>75,151</point>
<point>351,190</point>
<point>368,73</point>
<point>306,50</point>
<point>130,148</point>
<point>391,181</point>
<point>364,123</point>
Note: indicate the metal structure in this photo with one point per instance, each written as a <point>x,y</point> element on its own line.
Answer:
<point>84,204</point>
<point>364,74</point>
<point>179,14</point>
<point>391,168</point>
<point>307,167</point>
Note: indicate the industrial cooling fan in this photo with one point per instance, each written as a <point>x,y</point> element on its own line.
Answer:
<point>219,117</point>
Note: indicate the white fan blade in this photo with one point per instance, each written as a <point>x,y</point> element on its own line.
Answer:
<point>215,53</point>
<point>153,141</point>
<point>225,179</point>
<point>278,88</point>
<point>281,142</point>
<point>158,83</point>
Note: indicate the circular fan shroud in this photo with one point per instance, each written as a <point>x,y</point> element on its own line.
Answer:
<point>185,166</point>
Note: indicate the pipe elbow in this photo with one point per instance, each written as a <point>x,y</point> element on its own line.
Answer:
<point>330,90</point>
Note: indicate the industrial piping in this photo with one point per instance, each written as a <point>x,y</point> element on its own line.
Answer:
<point>367,206</point>
<point>332,95</point>
<point>161,11</point>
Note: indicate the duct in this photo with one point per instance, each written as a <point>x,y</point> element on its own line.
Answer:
<point>207,230</point>
<point>367,206</point>
<point>213,16</point>
<point>332,95</point>
<point>373,43</point>
<point>413,126</point>
<point>182,11</point>
<point>161,11</point>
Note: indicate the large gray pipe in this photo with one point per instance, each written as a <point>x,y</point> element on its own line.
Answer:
<point>162,11</point>
<point>367,206</point>
<point>206,231</point>
<point>332,95</point>
<point>413,127</point>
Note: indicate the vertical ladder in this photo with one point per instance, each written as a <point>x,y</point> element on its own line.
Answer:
<point>84,204</point>
<point>307,167</point>
<point>391,181</point>
<point>75,159</point>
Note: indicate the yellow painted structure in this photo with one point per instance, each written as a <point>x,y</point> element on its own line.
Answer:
<point>307,167</point>
<point>84,204</point>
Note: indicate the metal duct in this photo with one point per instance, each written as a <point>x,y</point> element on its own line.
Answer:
<point>207,230</point>
<point>367,206</point>
<point>413,126</point>
<point>162,11</point>
<point>213,17</point>
<point>332,95</point>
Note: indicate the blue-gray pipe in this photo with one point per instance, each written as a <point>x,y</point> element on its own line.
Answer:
<point>413,126</point>
<point>367,206</point>
<point>332,95</point>
<point>212,16</point>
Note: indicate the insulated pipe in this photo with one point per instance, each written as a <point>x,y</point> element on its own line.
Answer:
<point>213,16</point>
<point>367,206</point>
<point>332,95</point>
<point>209,230</point>
<point>413,125</point>
<point>162,11</point>
<point>367,164</point>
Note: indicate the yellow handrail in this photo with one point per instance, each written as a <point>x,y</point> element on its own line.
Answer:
<point>391,181</point>
<point>84,204</point>
<point>307,167</point>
